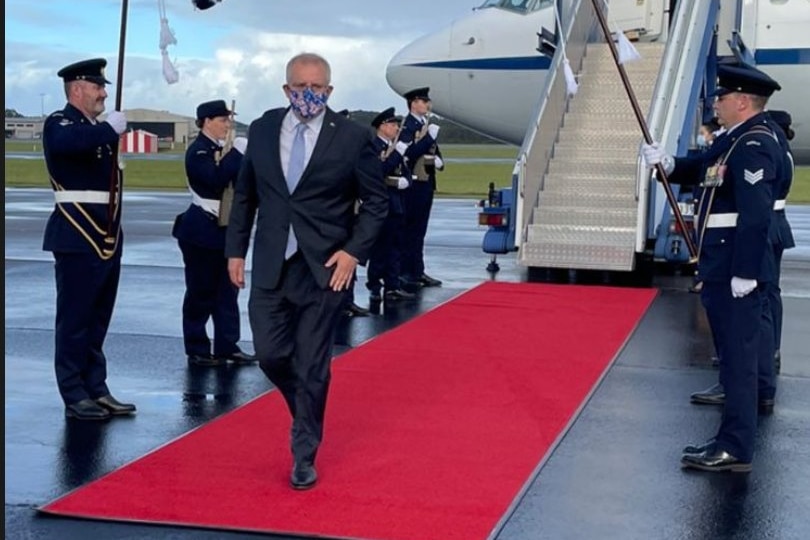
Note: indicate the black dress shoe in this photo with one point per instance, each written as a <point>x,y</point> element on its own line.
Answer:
<point>238,357</point>
<point>765,406</point>
<point>303,476</point>
<point>714,395</point>
<point>428,281</point>
<point>86,409</point>
<point>714,461</point>
<point>398,294</point>
<point>115,407</point>
<point>374,296</point>
<point>777,362</point>
<point>359,311</point>
<point>715,361</point>
<point>205,360</point>
<point>707,446</point>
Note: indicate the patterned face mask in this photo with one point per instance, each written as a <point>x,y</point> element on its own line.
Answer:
<point>307,103</point>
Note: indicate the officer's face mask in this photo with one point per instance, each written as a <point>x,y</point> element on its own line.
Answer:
<point>701,141</point>
<point>308,103</point>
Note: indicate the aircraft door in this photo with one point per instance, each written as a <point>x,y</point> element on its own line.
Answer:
<point>644,17</point>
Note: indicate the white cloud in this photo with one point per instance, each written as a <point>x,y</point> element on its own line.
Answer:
<point>236,50</point>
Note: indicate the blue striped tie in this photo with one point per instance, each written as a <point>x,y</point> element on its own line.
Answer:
<point>295,168</point>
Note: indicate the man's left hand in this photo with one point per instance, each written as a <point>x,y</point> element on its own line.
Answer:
<point>343,273</point>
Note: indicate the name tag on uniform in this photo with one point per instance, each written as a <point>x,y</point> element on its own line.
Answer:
<point>714,176</point>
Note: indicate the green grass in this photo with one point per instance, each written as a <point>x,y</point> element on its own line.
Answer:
<point>456,180</point>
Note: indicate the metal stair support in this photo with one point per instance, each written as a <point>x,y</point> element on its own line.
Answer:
<point>585,216</point>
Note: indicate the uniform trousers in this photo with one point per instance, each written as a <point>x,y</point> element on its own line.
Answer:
<point>293,333</point>
<point>86,288</point>
<point>385,260</point>
<point>774,292</point>
<point>209,295</point>
<point>746,369</point>
<point>418,202</point>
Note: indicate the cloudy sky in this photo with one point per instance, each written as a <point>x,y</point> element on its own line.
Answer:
<point>237,50</point>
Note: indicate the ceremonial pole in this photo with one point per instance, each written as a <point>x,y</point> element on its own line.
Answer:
<point>662,175</point>
<point>115,180</point>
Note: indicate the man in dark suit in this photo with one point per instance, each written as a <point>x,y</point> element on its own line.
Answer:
<point>736,261</point>
<point>303,171</point>
<point>210,168</point>
<point>84,234</point>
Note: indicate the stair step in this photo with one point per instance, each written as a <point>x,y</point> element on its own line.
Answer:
<point>587,257</point>
<point>588,217</point>
<point>577,198</point>
<point>617,170</point>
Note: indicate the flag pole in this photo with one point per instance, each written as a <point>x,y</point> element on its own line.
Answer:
<point>119,84</point>
<point>662,175</point>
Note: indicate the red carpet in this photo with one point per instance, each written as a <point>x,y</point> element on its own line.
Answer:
<point>432,429</point>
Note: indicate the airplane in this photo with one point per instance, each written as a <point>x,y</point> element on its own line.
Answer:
<point>485,72</point>
<point>493,71</point>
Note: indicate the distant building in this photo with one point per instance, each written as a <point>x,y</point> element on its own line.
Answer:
<point>169,128</point>
<point>139,141</point>
<point>24,127</point>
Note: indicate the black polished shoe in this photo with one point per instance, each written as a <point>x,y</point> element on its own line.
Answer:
<point>707,446</point>
<point>303,476</point>
<point>86,409</point>
<point>428,281</point>
<point>374,296</point>
<point>205,360</point>
<point>714,461</point>
<point>115,407</point>
<point>765,406</point>
<point>398,294</point>
<point>410,283</point>
<point>715,361</point>
<point>238,357</point>
<point>777,362</point>
<point>356,311</point>
<point>714,395</point>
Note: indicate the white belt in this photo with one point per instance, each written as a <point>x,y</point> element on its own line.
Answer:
<point>209,205</point>
<point>779,204</point>
<point>81,196</point>
<point>716,221</point>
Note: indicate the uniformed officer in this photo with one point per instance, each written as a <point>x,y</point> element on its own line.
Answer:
<point>352,309</point>
<point>210,168</point>
<point>384,261</point>
<point>84,234</point>
<point>781,235</point>
<point>736,261</point>
<point>424,159</point>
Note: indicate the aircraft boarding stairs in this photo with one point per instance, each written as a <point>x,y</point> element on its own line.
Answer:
<point>586,215</point>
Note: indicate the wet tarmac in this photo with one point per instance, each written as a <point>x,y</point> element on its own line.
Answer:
<point>614,475</point>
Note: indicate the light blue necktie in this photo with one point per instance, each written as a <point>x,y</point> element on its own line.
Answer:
<point>295,168</point>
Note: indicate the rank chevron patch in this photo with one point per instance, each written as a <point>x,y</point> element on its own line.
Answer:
<point>752,177</point>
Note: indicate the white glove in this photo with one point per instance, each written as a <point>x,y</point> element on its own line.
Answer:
<point>118,121</point>
<point>401,147</point>
<point>438,162</point>
<point>240,143</point>
<point>653,155</point>
<point>403,183</point>
<point>741,287</point>
<point>433,131</point>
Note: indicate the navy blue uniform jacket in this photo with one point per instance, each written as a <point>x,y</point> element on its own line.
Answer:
<point>79,155</point>
<point>208,180</point>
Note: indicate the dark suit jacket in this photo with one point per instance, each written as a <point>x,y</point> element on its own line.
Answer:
<point>344,168</point>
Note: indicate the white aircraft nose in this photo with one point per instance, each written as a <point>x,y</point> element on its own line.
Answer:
<point>416,65</point>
